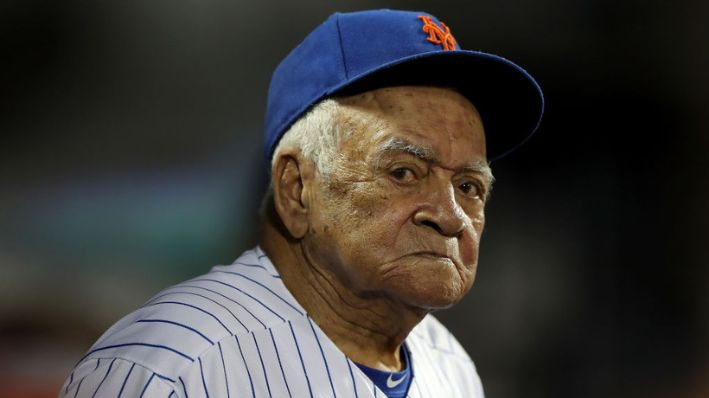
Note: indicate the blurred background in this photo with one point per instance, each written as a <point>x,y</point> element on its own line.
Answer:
<point>131,160</point>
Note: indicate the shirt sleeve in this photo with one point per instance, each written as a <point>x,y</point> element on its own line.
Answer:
<point>115,377</point>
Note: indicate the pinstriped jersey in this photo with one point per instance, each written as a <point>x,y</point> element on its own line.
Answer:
<point>238,332</point>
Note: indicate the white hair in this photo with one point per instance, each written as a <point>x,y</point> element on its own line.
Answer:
<point>317,135</point>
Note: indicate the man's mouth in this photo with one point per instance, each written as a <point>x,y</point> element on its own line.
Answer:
<point>434,256</point>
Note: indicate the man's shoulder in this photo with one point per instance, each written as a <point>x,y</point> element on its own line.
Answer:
<point>182,323</point>
<point>441,365</point>
<point>433,335</point>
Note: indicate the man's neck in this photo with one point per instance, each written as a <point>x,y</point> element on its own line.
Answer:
<point>369,330</point>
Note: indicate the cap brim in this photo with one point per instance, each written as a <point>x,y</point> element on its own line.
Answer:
<point>509,100</point>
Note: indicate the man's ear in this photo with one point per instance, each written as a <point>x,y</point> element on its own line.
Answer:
<point>289,200</point>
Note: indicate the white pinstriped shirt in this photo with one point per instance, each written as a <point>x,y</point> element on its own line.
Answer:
<point>238,332</point>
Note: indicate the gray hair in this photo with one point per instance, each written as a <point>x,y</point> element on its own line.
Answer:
<point>317,135</point>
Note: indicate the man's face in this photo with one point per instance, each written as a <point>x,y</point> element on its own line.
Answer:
<point>402,211</point>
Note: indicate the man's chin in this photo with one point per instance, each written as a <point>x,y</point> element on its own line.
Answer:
<point>431,284</point>
<point>431,298</point>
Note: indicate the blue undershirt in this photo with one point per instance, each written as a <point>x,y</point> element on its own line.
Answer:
<point>399,381</point>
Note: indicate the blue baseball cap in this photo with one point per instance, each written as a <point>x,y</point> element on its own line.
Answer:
<point>354,52</point>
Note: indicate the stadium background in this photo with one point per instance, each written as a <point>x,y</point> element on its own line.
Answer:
<point>130,160</point>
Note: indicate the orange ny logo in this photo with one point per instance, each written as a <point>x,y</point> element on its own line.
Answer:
<point>436,35</point>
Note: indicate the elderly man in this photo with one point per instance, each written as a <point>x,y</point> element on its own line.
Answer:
<point>376,133</point>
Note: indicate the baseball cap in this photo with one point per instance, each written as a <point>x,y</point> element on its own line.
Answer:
<point>359,51</point>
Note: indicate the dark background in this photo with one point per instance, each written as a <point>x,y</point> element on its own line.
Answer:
<point>131,159</point>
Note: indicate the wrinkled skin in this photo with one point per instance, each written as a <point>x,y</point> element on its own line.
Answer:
<point>392,231</point>
<point>393,225</point>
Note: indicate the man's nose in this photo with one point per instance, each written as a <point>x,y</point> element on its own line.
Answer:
<point>441,212</point>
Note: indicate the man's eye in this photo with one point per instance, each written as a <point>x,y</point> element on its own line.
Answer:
<point>403,174</point>
<point>470,188</point>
